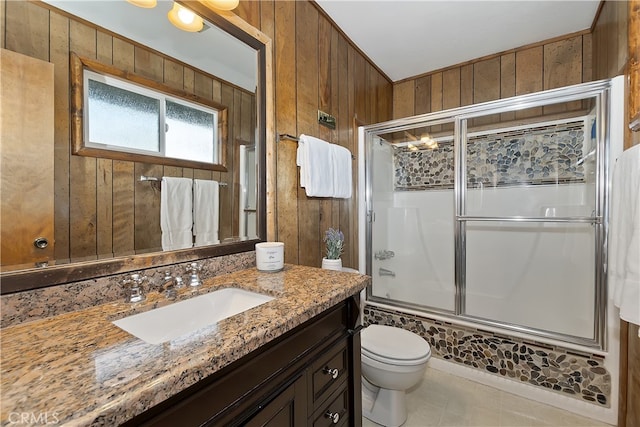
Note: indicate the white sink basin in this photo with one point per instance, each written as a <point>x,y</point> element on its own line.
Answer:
<point>175,320</point>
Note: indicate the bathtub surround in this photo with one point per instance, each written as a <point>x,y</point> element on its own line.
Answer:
<point>517,246</point>
<point>47,302</point>
<point>578,375</point>
<point>539,155</point>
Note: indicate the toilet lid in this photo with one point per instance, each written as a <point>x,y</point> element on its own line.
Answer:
<point>386,343</point>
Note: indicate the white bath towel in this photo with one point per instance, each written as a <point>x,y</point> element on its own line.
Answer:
<point>175,213</point>
<point>206,203</point>
<point>341,171</point>
<point>624,236</point>
<point>314,156</point>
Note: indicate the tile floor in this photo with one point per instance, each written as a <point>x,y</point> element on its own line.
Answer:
<point>442,399</point>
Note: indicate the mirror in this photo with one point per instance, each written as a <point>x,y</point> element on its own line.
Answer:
<point>92,191</point>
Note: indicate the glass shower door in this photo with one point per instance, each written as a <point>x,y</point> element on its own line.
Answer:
<point>412,205</point>
<point>530,227</point>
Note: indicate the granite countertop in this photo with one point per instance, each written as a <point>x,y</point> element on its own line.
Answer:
<point>79,368</point>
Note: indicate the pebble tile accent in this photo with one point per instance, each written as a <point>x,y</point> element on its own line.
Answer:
<point>538,155</point>
<point>46,302</point>
<point>81,370</point>
<point>581,376</point>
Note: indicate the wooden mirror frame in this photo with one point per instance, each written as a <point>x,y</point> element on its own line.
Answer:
<point>78,143</point>
<point>23,280</point>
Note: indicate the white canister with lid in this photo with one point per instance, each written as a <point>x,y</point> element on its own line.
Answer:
<point>270,256</point>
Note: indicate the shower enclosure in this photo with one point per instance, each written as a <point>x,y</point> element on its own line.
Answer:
<point>495,213</point>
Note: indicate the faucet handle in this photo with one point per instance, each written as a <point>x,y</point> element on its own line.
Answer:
<point>178,283</point>
<point>193,269</point>
<point>133,288</point>
<point>167,276</point>
<point>138,278</point>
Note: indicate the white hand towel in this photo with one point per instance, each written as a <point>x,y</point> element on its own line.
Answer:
<point>341,171</point>
<point>206,210</point>
<point>175,213</point>
<point>624,236</point>
<point>316,166</point>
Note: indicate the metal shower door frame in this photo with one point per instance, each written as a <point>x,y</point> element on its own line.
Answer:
<point>600,91</point>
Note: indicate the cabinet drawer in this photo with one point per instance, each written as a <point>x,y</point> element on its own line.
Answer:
<point>329,372</point>
<point>334,413</point>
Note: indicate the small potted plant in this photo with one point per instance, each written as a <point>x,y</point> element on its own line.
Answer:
<point>334,240</point>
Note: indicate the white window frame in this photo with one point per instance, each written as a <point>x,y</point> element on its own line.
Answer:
<point>141,90</point>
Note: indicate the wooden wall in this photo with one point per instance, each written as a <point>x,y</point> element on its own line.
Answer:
<point>545,65</point>
<point>610,57</point>
<point>316,68</point>
<point>100,208</point>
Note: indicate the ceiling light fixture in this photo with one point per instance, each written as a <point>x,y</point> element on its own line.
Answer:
<point>223,4</point>
<point>185,19</point>
<point>147,4</point>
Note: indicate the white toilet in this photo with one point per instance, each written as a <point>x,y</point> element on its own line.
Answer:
<point>393,360</point>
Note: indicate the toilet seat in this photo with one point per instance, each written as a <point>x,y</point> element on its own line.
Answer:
<point>395,346</point>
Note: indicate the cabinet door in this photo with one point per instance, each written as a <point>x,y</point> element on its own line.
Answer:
<point>289,408</point>
<point>26,151</point>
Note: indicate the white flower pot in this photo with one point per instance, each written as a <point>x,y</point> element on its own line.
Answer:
<point>332,264</point>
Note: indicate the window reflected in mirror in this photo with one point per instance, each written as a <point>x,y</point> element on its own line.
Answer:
<point>122,112</point>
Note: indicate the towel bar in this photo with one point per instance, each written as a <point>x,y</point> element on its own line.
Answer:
<point>293,138</point>
<point>144,178</point>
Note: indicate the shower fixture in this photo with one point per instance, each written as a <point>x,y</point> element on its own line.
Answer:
<point>384,254</point>
<point>385,272</point>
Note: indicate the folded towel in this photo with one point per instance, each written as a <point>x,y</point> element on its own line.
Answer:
<point>206,212</point>
<point>341,172</point>
<point>624,236</point>
<point>175,213</point>
<point>301,160</point>
<point>314,156</point>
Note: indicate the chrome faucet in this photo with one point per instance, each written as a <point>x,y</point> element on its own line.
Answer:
<point>385,272</point>
<point>384,254</point>
<point>133,288</point>
<point>170,285</point>
<point>193,269</point>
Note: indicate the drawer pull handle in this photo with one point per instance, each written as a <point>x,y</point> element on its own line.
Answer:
<point>333,372</point>
<point>333,416</point>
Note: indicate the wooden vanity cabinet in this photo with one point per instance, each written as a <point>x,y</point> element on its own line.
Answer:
<point>308,377</point>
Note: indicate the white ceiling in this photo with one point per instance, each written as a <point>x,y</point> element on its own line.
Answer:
<point>406,38</point>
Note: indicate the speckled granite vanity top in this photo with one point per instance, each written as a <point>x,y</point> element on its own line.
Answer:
<point>79,368</point>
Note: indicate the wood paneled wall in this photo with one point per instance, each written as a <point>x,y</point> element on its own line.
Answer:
<point>316,68</point>
<point>610,58</point>
<point>545,65</point>
<point>610,49</point>
<point>610,40</point>
<point>100,207</point>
